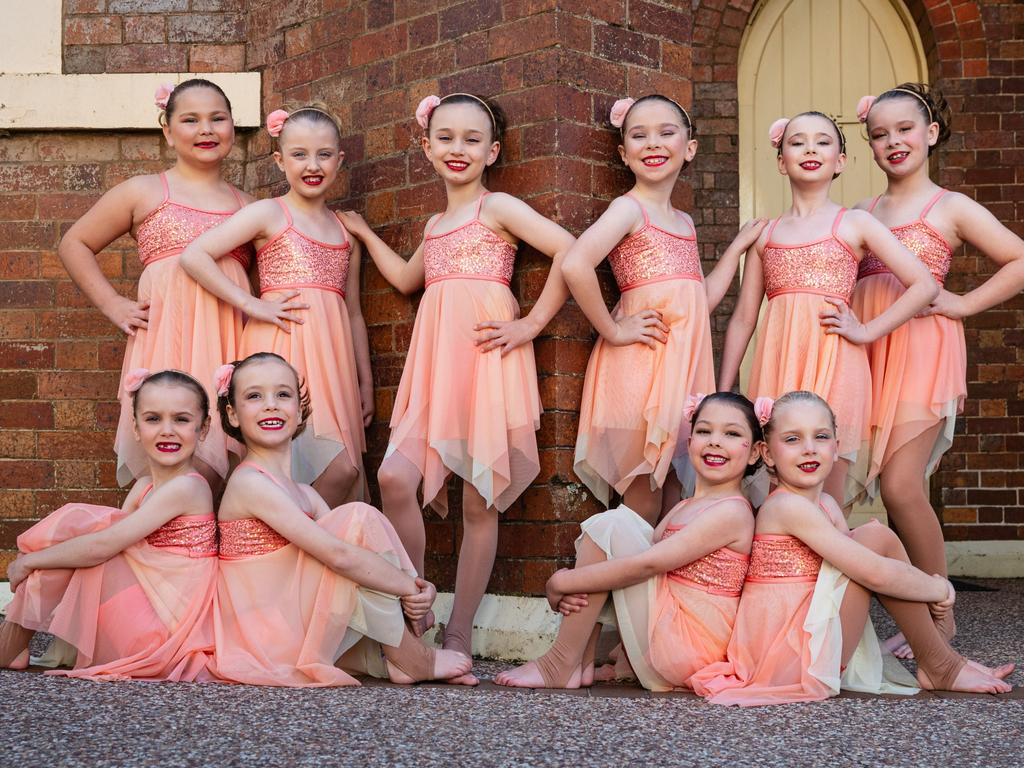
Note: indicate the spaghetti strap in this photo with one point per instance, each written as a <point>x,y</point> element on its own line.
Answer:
<point>932,202</point>
<point>238,197</point>
<point>647,219</point>
<point>287,213</point>
<point>771,230</point>
<point>344,232</point>
<point>835,224</point>
<point>479,204</point>
<point>166,186</point>
<point>145,493</point>
<point>261,470</point>
<point>871,208</point>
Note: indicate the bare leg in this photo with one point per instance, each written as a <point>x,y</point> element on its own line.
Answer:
<point>14,640</point>
<point>337,483</point>
<point>835,483</point>
<point>561,666</point>
<point>413,662</point>
<point>399,478</point>
<point>641,499</point>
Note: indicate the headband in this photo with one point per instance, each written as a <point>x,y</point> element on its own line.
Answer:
<point>866,102</point>
<point>617,116</point>
<point>277,119</point>
<point>163,94</point>
<point>778,129</point>
<point>430,103</point>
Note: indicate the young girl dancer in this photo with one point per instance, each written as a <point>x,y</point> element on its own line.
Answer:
<point>127,592</point>
<point>306,262</point>
<point>802,630</point>
<point>468,401</point>
<point>174,323</point>
<point>806,263</point>
<point>919,371</point>
<point>305,590</point>
<point>655,346</point>
<point>676,588</point>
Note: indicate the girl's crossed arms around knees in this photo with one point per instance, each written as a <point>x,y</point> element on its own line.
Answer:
<point>806,263</point>
<point>468,401</point>
<point>655,345</point>
<point>675,589</point>
<point>307,592</point>
<point>173,323</point>
<point>86,573</point>
<point>802,630</point>
<point>309,310</point>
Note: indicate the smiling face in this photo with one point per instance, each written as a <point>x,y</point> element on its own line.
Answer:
<point>169,422</point>
<point>459,144</point>
<point>900,135</point>
<point>201,129</point>
<point>811,149</point>
<point>721,445</point>
<point>801,445</point>
<point>309,155</point>
<point>655,142</point>
<point>267,403</point>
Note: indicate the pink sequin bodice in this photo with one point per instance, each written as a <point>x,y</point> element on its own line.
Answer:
<point>292,260</point>
<point>826,267</point>
<point>248,537</point>
<point>471,251</point>
<point>651,254</point>
<point>719,573</point>
<point>197,534</point>
<point>922,241</point>
<point>782,558</point>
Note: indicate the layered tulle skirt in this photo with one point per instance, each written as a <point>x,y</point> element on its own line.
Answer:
<point>285,619</point>
<point>461,410</point>
<point>321,350</point>
<point>191,330</point>
<point>633,396</point>
<point>144,614</point>
<point>918,376</point>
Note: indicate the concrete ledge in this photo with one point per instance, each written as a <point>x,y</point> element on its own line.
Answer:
<point>986,559</point>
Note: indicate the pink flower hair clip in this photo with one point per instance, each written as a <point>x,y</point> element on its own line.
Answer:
<point>425,109</point>
<point>692,404</point>
<point>864,106</point>
<point>134,379</point>
<point>276,121</point>
<point>763,409</point>
<point>617,116</point>
<point>222,379</point>
<point>163,94</point>
<point>776,132</point>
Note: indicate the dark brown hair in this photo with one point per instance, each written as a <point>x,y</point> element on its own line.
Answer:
<point>744,406</point>
<point>495,114</point>
<point>929,102</point>
<point>228,398</point>
<point>180,378</point>
<point>195,82</point>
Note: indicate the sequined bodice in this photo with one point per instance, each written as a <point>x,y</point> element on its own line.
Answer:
<point>826,267</point>
<point>777,558</point>
<point>248,537</point>
<point>922,241</point>
<point>195,533</point>
<point>469,251</point>
<point>720,572</point>
<point>651,254</point>
<point>292,260</point>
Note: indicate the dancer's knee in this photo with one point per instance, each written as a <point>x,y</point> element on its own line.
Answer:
<point>878,538</point>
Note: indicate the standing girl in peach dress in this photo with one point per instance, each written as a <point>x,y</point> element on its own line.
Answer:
<point>674,589</point>
<point>655,346</point>
<point>806,264</point>
<point>174,323</point>
<point>306,592</point>
<point>802,631</point>
<point>919,371</point>
<point>308,311</point>
<point>468,400</point>
<point>127,592</point>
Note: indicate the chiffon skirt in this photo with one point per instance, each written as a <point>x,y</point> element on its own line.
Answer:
<point>793,352</point>
<point>321,350</point>
<point>633,396</point>
<point>918,376</point>
<point>285,619</point>
<point>144,614</point>
<point>190,330</point>
<point>669,630</point>
<point>461,410</point>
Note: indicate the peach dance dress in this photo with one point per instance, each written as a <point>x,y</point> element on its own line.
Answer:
<point>633,396</point>
<point>458,409</point>
<point>283,618</point>
<point>144,614</point>
<point>673,624</point>
<point>919,371</point>
<point>320,349</point>
<point>190,329</point>
<point>793,351</point>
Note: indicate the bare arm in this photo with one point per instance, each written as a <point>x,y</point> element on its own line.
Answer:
<point>743,321</point>
<point>717,283</point>
<point>405,276</point>
<point>360,341</point>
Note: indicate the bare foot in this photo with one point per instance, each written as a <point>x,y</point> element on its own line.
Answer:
<point>970,679</point>
<point>587,675</point>
<point>898,646</point>
<point>528,676</point>
<point>448,666</point>
<point>422,626</point>
<point>1002,671</point>
<point>605,673</point>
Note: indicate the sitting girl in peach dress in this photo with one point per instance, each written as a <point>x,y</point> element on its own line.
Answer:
<point>306,592</point>
<point>674,588</point>
<point>127,592</point>
<point>803,631</point>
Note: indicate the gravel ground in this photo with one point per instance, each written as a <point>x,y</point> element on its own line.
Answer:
<point>52,721</point>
